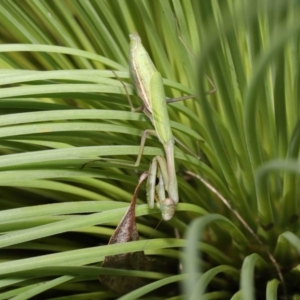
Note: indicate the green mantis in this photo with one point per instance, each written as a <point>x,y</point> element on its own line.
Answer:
<point>148,84</point>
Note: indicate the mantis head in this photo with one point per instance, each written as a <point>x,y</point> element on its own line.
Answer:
<point>167,208</point>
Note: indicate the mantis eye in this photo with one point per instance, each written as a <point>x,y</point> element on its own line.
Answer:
<point>167,208</point>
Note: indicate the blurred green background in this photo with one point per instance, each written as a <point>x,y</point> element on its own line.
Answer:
<point>235,234</point>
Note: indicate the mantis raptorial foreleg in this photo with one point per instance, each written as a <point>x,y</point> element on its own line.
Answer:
<point>156,186</point>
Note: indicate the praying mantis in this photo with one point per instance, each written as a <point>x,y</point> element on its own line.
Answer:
<point>148,84</point>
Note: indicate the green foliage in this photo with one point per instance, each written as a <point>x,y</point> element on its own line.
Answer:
<point>62,106</point>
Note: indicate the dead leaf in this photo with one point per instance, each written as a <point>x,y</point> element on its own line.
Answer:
<point>126,232</point>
